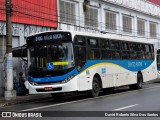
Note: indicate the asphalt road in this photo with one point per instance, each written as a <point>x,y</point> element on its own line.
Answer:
<point>122,100</point>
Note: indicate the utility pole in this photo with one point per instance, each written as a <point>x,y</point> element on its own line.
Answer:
<point>9,94</point>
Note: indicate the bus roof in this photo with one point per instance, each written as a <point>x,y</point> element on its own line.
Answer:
<point>100,35</point>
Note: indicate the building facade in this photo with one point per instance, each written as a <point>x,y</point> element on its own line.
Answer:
<point>136,19</point>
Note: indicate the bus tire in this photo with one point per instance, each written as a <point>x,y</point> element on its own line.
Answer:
<point>57,96</point>
<point>138,85</point>
<point>95,88</point>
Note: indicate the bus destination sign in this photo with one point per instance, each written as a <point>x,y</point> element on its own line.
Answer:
<point>49,37</point>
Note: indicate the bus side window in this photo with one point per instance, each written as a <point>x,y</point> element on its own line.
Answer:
<point>125,50</point>
<point>115,46</point>
<point>80,48</point>
<point>94,52</point>
<point>105,49</point>
<point>133,51</point>
<point>140,51</point>
<point>152,51</point>
<point>148,53</point>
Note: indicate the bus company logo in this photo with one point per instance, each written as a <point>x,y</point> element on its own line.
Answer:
<point>103,70</point>
<point>6,114</point>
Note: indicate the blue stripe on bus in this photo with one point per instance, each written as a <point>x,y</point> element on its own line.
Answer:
<point>53,79</point>
<point>131,65</point>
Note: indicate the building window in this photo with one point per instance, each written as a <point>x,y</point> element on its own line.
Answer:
<point>110,21</point>
<point>67,12</point>
<point>153,30</point>
<point>140,27</point>
<point>91,17</point>
<point>127,24</point>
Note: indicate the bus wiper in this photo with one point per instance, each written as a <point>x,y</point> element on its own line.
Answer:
<point>39,69</point>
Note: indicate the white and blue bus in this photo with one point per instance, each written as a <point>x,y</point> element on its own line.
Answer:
<point>69,61</point>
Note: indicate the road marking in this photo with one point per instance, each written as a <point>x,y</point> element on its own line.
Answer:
<point>86,99</point>
<point>122,108</point>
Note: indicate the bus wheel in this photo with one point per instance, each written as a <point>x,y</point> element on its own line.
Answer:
<point>95,88</point>
<point>57,96</point>
<point>138,85</point>
<point>139,81</point>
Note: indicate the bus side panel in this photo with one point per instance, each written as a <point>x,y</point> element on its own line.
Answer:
<point>150,73</point>
<point>108,81</point>
<point>131,78</point>
<point>106,76</point>
<point>118,76</point>
<point>111,75</point>
<point>85,82</point>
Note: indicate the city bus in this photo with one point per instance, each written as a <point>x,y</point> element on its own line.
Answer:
<point>158,63</point>
<point>62,62</point>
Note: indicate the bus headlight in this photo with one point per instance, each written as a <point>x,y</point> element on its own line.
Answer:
<point>68,79</point>
<point>32,83</point>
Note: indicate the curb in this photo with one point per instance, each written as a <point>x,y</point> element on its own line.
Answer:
<point>18,101</point>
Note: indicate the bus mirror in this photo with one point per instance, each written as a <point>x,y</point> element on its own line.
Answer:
<point>24,53</point>
<point>24,59</point>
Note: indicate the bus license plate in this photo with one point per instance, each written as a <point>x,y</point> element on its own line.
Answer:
<point>48,88</point>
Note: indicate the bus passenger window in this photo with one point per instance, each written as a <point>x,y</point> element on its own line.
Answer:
<point>93,43</point>
<point>106,54</point>
<point>125,55</point>
<point>133,55</point>
<point>115,45</point>
<point>94,52</point>
<point>133,51</point>
<point>140,51</point>
<point>148,53</point>
<point>80,41</point>
<point>152,51</point>
<point>116,54</point>
<point>125,50</point>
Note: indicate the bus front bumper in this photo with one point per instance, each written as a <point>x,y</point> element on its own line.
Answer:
<point>70,86</point>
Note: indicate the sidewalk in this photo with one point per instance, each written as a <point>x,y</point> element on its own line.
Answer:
<point>24,99</point>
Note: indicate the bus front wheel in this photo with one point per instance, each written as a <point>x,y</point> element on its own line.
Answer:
<point>95,88</point>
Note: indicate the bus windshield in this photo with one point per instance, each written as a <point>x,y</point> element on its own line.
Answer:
<point>55,56</point>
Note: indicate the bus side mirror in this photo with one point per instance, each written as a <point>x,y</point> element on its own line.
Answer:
<point>24,59</point>
<point>24,53</point>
